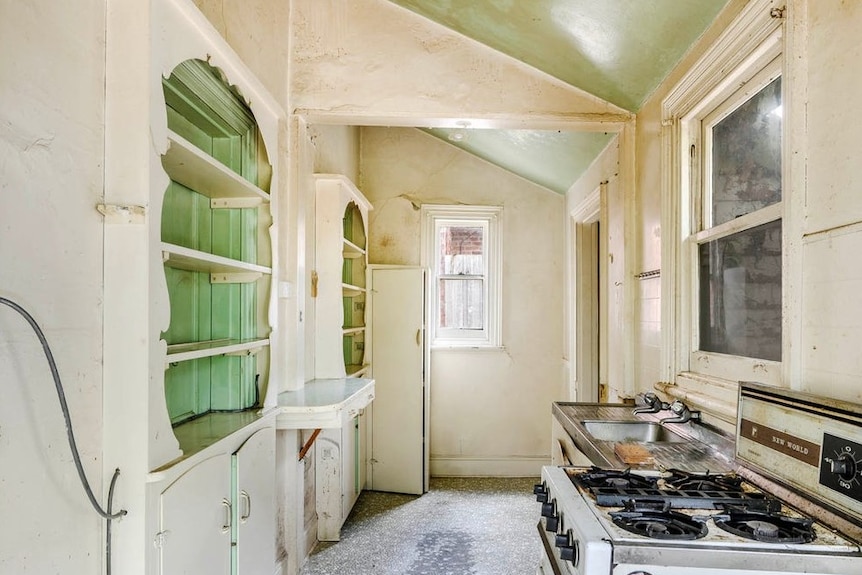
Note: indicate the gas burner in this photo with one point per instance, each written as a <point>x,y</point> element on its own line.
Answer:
<point>685,481</point>
<point>767,527</point>
<point>658,523</point>
<point>598,477</point>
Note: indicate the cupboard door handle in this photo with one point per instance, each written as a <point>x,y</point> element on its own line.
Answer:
<point>225,528</point>
<point>419,336</point>
<point>244,496</point>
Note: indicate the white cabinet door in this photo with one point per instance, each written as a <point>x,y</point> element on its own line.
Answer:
<point>196,520</point>
<point>254,464</point>
<point>398,356</point>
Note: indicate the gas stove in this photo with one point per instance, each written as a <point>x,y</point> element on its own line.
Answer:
<point>671,522</point>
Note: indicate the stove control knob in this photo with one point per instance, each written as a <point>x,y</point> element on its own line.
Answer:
<point>844,466</point>
<point>549,509</point>
<point>563,539</point>
<point>552,524</point>
<point>571,552</point>
<point>540,490</point>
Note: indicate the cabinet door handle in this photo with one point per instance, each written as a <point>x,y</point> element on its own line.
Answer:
<point>225,528</point>
<point>244,496</point>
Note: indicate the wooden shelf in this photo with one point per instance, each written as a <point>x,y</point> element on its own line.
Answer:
<point>196,350</point>
<point>221,269</point>
<point>351,250</point>
<point>192,167</point>
<point>351,330</point>
<point>349,290</point>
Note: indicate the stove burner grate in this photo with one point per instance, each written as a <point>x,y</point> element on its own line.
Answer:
<point>659,523</point>
<point>686,481</point>
<point>679,489</point>
<point>766,527</point>
<point>597,477</point>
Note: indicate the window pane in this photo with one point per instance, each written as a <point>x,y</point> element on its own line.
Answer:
<point>462,303</point>
<point>746,157</point>
<point>461,250</point>
<point>740,293</point>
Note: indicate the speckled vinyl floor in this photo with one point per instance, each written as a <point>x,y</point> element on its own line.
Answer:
<point>462,526</point>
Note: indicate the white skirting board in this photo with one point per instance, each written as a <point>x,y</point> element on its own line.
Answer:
<point>487,466</point>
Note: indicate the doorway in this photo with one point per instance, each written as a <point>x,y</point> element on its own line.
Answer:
<point>587,304</point>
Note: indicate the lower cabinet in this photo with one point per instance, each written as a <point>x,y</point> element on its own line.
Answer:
<point>340,475</point>
<point>218,518</point>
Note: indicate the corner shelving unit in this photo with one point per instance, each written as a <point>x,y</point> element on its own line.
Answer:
<point>341,242</point>
<point>341,221</point>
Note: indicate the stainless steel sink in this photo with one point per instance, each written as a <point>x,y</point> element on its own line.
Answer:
<point>630,431</point>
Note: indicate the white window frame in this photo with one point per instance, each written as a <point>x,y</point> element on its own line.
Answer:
<point>734,69</point>
<point>487,217</point>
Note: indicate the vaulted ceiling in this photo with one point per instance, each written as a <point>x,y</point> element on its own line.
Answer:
<point>618,50</point>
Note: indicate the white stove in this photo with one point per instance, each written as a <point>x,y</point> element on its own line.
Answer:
<point>793,506</point>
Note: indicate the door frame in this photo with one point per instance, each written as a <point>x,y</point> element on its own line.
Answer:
<point>426,375</point>
<point>588,311</point>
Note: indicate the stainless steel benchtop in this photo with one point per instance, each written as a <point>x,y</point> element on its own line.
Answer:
<point>706,450</point>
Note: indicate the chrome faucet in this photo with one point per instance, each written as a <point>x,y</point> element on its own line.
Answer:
<point>650,403</point>
<point>682,414</point>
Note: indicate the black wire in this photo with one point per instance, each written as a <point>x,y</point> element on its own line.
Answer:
<point>62,397</point>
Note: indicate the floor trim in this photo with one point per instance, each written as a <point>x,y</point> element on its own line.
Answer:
<point>487,466</point>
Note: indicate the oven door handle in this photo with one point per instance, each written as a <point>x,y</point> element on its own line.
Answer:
<point>549,551</point>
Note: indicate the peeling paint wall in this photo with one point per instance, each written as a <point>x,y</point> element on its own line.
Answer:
<point>832,230</point>
<point>51,148</point>
<point>371,57</point>
<point>258,31</point>
<point>489,409</point>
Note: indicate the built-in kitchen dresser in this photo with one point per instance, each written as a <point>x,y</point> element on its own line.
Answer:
<point>191,236</point>
<point>339,292</point>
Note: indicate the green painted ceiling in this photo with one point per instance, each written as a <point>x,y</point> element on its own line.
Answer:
<point>618,50</point>
<point>553,159</point>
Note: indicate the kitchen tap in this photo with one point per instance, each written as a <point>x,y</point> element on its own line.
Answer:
<point>650,403</point>
<point>682,414</point>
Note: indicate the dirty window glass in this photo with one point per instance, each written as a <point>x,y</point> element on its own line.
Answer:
<point>740,293</point>
<point>746,156</point>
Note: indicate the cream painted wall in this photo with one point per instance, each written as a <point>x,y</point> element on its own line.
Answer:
<point>824,216</point>
<point>51,147</point>
<point>372,59</point>
<point>257,31</point>
<point>490,410</point>
<point>832,229</point>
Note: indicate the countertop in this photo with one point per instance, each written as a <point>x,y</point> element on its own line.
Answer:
<point>706,450</point>
<point>324,403</point>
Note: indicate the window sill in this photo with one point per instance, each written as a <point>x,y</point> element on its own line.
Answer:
<point>445,347</point>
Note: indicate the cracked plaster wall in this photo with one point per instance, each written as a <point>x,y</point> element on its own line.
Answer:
<point>373,57</point>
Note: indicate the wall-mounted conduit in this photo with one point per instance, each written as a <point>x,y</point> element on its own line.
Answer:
<point>104,513</point>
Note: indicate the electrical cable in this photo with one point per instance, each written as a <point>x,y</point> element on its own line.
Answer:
<point>105,514</point>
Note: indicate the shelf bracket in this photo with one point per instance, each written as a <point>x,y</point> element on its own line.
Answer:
<point>123,214</point>
<point>227,203</point>
<point>242,353</point>
<point>235,278</point>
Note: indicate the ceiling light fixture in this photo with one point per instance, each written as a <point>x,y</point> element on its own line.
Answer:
<point>459,134</point>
